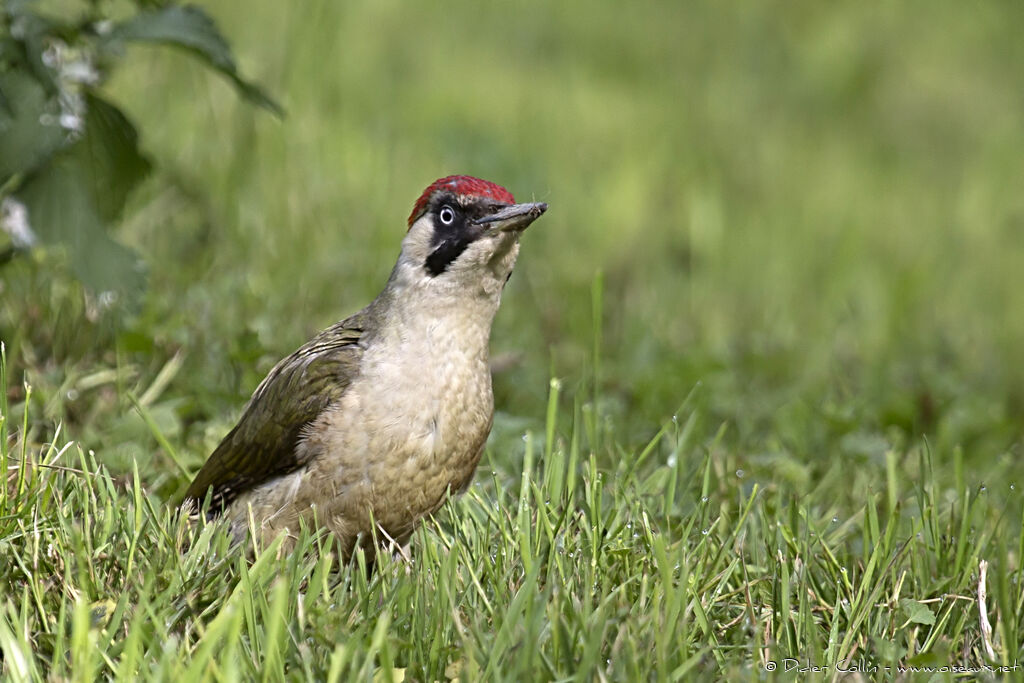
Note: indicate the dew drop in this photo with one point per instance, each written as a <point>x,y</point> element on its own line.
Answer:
<point>703,499</point>
<point>740,473</point>
<point>835,520</point>
<point>705,531</point>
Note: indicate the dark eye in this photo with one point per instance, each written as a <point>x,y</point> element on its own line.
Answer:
<point>447,215</point>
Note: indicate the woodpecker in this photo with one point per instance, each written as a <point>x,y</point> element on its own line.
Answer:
<point>368,427</point>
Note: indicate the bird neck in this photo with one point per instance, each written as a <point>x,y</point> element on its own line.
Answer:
<point>413,309</point>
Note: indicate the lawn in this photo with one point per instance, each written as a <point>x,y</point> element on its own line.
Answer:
<point>759,371</point>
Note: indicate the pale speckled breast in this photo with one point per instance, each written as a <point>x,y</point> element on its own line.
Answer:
<point>411,428</point>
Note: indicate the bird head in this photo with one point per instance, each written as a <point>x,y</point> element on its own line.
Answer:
<point>465,231</point>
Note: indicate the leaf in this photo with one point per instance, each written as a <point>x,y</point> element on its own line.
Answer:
<point>190,28</point>
<point>917,612</point>
<point>110,151</point>
<point>62,210</point>
<point>73,200</point>
<point>29,129</point>
<point>33,32</point>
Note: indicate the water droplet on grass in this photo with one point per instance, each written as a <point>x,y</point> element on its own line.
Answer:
<point>740,473</point>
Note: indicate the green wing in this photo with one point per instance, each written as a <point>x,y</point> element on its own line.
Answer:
<point>262,445</point>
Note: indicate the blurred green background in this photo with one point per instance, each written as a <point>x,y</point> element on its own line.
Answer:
<point>813,211</point>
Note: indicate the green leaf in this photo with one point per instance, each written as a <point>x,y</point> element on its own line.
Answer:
<point>917,612</point>
<point>110,152</point>
<point>33,35</point>
<point>74,198</point>
<point>29,130</point>
<point>190,28</point>
<point>62,210</point>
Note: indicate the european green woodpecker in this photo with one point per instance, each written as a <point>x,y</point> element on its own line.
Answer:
<point>382,416</point>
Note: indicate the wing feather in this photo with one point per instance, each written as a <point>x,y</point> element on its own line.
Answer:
<point>262,446</point>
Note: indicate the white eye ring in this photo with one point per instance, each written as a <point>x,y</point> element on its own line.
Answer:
<point>447,215</point>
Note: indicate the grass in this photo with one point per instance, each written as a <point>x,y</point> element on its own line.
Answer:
<point>669,565</point>
<point>778,286</point>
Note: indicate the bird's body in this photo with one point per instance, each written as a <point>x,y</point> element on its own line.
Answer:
<point>384,414</point>
<point>410,426</point>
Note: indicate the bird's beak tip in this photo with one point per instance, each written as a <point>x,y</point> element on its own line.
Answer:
<point>514,216</point>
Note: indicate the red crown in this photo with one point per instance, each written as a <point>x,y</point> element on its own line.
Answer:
<point>463,185</point>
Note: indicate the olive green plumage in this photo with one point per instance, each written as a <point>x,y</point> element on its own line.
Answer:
<point>263,444</point>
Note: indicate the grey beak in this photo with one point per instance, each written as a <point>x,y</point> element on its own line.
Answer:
<point>514,217</point>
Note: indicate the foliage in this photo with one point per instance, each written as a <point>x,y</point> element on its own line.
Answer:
<point>69,158</point>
